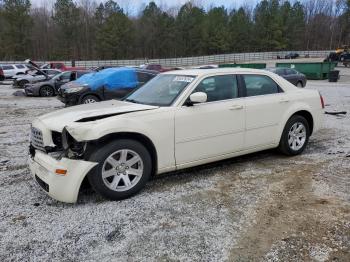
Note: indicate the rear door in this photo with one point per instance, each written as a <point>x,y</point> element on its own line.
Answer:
<point>265,105</point>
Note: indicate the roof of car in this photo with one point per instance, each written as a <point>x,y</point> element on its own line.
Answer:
<point>201,72</point>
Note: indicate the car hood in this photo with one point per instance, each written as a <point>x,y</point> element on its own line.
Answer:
<point>90,112</point>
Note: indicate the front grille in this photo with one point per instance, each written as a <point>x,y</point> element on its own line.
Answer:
<point>41,183</point>
<point>36,138</point>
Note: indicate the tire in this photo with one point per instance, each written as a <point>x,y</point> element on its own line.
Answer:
<point>46,91</point>
<point>300,84</point>
<point>287,145</point>
<point>22,83</point>
<point>120,180</point>
<point>89,99</point>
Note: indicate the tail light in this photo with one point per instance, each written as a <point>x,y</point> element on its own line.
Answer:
<point>322,101</point>
<point>1,72</point>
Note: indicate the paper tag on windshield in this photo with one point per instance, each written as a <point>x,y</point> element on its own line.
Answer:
<point>183,79</point>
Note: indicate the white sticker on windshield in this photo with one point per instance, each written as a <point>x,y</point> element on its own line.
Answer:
<point>183,79</point>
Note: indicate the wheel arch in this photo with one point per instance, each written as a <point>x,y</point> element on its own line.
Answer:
<point>143,139</point>
<point>308,116</point>
<point>302,112</point>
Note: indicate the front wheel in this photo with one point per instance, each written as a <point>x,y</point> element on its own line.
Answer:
<point>89,99</point>
<point>46,91</point>
<point>22,83</point>
<point>295,136</point>
<point>124,167</point>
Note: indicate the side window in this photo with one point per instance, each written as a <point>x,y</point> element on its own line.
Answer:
<point>56,65</point>
<point>144,77</point>
<point>65,76</point>
<point>257,85</point>
<point>51,72</point>
<point>290,72</point>
<point>20,66</point>
<point>7,67</point>
<point>280,71</point>
<point>73,76</point>
<point>219,87</point>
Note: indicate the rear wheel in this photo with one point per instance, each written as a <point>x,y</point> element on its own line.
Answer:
<point>124,167</point>
<point>89,99</point>
<point>295,136</point>
<point>46,91</point>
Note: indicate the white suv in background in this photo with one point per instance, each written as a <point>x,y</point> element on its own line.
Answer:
<point>15,69</point>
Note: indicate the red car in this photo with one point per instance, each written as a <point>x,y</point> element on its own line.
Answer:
<point>156,67</point>
<point>61,66</point>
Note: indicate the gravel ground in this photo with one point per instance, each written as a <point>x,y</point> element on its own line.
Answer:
<point>260,207</point>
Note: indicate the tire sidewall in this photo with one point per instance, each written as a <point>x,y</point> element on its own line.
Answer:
<point>99,156</point>
<point>89,96</point>
<point>284,145</point>
<point>22,83</point>
<point>43,87</point>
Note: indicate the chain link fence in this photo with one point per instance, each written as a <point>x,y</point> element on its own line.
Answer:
<point>194,61</point>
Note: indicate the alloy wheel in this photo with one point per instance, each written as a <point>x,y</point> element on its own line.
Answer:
<point>297,136</point>
<point>122,170</point>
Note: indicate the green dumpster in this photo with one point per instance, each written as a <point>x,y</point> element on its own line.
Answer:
<point>313,71</point>
<point>252,65</point>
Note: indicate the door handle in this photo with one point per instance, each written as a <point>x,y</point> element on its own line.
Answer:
<point>236,107</point>
<point>284,100</point>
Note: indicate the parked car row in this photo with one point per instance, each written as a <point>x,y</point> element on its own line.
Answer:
<point>75,86</point>
<point>33,76</point>
<point>51,85</point>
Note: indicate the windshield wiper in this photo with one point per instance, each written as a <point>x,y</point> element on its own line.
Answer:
<point>131,101</point>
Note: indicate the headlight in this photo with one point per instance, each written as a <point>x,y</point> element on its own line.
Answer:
<point>73,89</point>
<point>71,146</point>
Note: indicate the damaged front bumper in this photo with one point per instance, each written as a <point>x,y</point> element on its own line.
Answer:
<point>64,188</point>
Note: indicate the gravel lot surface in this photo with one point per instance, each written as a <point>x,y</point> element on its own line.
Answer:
<point>260,207</point>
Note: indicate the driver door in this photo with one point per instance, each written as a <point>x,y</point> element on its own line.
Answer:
<point>214,128</point>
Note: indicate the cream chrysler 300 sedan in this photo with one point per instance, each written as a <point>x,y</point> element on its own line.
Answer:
<point>177,120</point>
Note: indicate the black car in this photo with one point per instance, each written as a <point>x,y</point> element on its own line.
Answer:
<point>49,87</point>
<point>111,83</point>
<point>291,55</point>
<point>292,75</point>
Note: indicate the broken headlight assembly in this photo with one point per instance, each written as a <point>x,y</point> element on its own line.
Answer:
<point>72,148</point>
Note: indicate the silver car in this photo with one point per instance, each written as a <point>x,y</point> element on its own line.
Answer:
<point>34,76</point>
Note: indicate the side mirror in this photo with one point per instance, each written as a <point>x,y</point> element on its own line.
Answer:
<point>198,97</point>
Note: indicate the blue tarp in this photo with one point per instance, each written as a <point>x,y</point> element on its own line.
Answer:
<point>111,78</point>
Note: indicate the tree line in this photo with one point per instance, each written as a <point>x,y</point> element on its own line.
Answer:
<point>90,30</point>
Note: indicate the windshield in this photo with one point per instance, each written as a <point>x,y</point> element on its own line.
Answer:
<point>161,90</point>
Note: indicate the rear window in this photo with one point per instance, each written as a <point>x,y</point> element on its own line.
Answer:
<point>290,72</point>
<point>279,71</point>
<point>257,85</point>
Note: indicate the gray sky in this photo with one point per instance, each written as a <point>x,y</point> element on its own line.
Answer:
<point>133,6</point>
